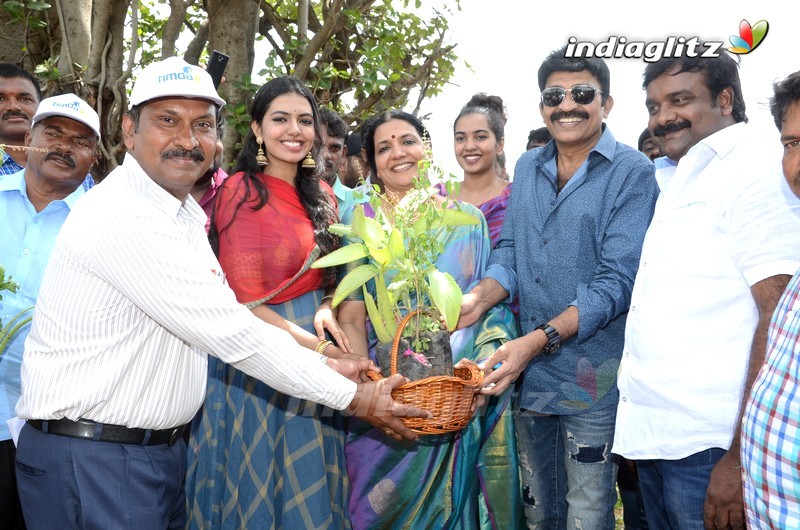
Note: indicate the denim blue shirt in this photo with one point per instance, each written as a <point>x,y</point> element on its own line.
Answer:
<point>579,247</point>
<point>26,240</point>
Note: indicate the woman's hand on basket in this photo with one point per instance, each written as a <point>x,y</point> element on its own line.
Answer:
<point>325,319</point>
<point>510,359</point>
<point>374,404</point>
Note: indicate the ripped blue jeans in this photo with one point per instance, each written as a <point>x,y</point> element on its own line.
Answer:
<point>568,474</point>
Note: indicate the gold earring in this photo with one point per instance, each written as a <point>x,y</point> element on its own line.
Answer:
<point>309,162</point>
<point>261,158</point>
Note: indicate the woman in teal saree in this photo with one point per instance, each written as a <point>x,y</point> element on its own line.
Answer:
<point>467,479</point>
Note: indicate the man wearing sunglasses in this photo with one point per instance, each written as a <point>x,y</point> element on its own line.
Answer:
<point>570,247</point>
<point>722,246</point>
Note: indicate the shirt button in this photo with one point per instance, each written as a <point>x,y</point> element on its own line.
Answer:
<point>633,308</point>
<point>537,280</point>
<point>544,241</point>
<point>26,251</point>
<point>627,354</point>
<point>624,399</point>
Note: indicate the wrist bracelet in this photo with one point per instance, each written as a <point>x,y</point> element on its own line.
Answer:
<point>322,345</point>
<point>327,297</point>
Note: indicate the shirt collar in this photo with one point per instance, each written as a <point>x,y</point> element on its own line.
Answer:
<point>339,189</point>
<point>606,146</point>
<point>13,181</point>
<point>721,142</point>
<point>160,197</point>
<point>16,181</point>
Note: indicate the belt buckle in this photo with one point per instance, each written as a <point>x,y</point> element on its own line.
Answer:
<point>174,436</point>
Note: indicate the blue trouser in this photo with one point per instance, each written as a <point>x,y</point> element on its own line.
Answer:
<point>71,483</point>
<point>567,471</point>
<point>674,491</point>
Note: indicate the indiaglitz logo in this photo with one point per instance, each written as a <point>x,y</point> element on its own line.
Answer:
<point>619,47</point>
<point>749,37</point>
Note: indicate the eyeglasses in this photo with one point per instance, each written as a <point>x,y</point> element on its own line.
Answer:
<point>581,94</point>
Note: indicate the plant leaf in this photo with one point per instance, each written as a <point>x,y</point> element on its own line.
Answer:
<point>352,281</point>
<point>341,256</point>
<point>385,305</point>
<point>375,318</point>
<point>446,295</point>
<point>341,230</point>
<point>396,246</point>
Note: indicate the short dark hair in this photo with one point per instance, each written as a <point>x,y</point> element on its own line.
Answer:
<point>558,62</point>
<point>333,122</point>
<point>11,71</point>
<point>786,93</point>
<point>540,135</point>
<point>719,72</point>
<point>644,136</point>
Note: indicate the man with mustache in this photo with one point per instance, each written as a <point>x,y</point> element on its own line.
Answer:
<point>570,247</point>
<point>723,243</point>
<point>132,300</point>
<point>334,134</point>
<point>34,203</point>
<point>19,96</point>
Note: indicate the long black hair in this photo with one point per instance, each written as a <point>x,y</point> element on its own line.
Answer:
<point>316,202</point>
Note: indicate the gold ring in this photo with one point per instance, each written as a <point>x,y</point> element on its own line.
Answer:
<point>388,432</point>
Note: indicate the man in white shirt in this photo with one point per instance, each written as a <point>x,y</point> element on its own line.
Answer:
<point>722,245</point>
<point>131,301</point>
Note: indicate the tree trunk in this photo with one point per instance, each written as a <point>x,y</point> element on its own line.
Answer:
<point>106,76</point>
<point>172,29</point>
<point>74,23</point>
<point>231,30</point>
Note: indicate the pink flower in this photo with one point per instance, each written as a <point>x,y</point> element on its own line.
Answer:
<point>421,359</point>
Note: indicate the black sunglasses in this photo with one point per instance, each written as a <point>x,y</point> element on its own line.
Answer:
<point>581,94</point>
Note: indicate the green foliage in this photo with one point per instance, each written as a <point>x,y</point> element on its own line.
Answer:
<point>18,321</point>
<point>400,245</point>
<point>20,11</point>
<point>379,55</point>
<point>48,69</point>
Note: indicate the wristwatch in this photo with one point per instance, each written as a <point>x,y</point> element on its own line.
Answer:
<point>553,339</point>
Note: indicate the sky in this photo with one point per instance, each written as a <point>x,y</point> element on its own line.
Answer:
<point>505,43</point>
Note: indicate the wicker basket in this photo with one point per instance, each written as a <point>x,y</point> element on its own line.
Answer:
<point>448,398</point>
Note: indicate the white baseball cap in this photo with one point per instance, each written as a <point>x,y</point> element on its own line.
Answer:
<point>173,77</point>
<point>69,106</point>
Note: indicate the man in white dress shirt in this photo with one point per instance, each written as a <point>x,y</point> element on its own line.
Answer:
<point>131,301</point>
<point>722,245</point>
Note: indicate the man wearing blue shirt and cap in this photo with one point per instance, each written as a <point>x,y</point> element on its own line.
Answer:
<point>34,202</point>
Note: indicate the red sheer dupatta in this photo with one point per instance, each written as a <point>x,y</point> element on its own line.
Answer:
<point>262,250</point>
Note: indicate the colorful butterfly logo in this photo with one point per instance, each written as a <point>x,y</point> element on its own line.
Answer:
<point>749,37</point>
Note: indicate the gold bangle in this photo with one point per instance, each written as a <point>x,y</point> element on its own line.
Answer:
<point>322,345</point>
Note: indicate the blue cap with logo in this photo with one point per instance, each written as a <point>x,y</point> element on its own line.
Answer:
<point>68,106</point>
<point>173,77</point>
